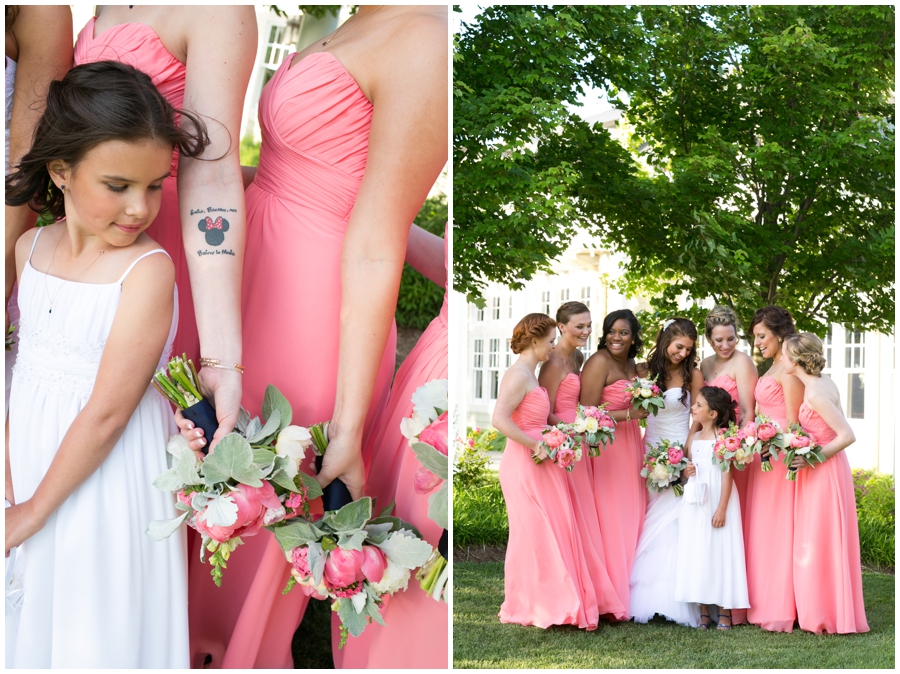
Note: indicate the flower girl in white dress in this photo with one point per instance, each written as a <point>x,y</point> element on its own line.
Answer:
<point>86,432</point>
<point>712,570</point>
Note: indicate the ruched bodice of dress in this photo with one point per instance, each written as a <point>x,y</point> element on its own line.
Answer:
<point>566,404</point>
<point>672,422</point>
<point>531,414</point>
<point>614,396</point>
<point>770,400</point>
<point>815,425</point>
<point>298,114</point>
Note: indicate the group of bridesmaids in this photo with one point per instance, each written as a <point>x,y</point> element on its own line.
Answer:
<point>593,544</point>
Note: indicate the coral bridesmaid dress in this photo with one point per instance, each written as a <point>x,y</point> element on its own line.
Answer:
<point>416,633</point>
<point>315,128</point>
<point>741,478</point>
<point>137,45</point>
<point>581,489</point>
<point>620,493</point>
<point>827,569</point>
<point>543,579</point>
<point>771,529</point>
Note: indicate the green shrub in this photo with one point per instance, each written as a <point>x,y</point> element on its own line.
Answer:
<point>875,511</point>
<point>470,466</point>
<point>249,152</point>
<point>479,515</point>
<point>488,439</point>
<point>420,300</point>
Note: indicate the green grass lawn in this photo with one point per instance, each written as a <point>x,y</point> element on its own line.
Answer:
<point>481,641</point>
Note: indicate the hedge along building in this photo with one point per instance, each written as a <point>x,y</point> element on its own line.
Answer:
<point>862,364</point>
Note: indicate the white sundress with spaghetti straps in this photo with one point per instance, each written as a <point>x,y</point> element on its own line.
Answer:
<point>98,592</point>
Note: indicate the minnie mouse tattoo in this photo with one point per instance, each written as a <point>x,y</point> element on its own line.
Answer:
<point>215,229</point>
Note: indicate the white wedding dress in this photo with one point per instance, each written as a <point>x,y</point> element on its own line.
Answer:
<point>98,592</point>
<point>653,574</point>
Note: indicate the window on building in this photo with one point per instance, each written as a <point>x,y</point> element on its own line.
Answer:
<point>477,367</point>
<point>509,305</point>
<point>855,355</point>
<point>545,302</point>
<point>479,314</point>
<point>826,344</point>
<point>495,308</point>
<point>494,366</point>
<point>280,41</point>
<point>509,353</point>
<point>586,296</point>
<point>855,362</point>
<point>563,295</point>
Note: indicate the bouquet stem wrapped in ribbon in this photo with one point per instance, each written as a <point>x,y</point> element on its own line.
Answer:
<point>798,442</point>
<point>336,495</point>
<point>180,385</point>
<point>663,465</point>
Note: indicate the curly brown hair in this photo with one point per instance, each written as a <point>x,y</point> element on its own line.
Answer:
<point>657,360</point>
<point>533,326</point>
<point>778,320</point>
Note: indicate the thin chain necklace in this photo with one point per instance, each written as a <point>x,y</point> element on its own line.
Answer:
<point>64,281</point>
<point>338,31</point>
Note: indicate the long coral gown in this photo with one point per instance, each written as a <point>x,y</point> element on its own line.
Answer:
<point>138,45</point>
<point>741,478</point>
<point>771,529</point>
<point>543,578</point>
<point>315,128</point>
<point>416,633</point>
<point>620,493</point>
<point>581,489</point>
<point>827,568</point>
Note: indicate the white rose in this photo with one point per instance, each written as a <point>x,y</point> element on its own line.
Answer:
<point>180,450</point>
<point>646,392</point>
<point>580,425</point>
<point>740,455</point>
<point>660,473</point>
<point>802,450</point>
<point>591,425</point>
<point>292,443</point>
<point>395,578</point>
<point>410,427</point>
<point>429,398</point>
<point>750,441</point>
<point>787,439</point>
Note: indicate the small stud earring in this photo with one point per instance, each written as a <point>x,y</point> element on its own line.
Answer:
<point>62,188</point>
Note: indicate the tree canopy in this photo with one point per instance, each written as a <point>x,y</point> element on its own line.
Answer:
<point>760,168</point>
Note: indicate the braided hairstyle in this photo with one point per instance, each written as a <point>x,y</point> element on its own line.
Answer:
<point>805,349</point>
<point>533,326</point>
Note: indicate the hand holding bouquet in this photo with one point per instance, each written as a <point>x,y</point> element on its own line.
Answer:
<point>180,385</point>
<point>352,559</point>
<point>798,443</point>
<point>563,445</point>
<point>769,438</point>
<point>595,426</point>
<point>251,479</point>
<point>663,465</point>
<point>645,393</point>
<point>730,449</point>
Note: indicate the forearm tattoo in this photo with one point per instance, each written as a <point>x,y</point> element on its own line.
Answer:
<point>214,225</point>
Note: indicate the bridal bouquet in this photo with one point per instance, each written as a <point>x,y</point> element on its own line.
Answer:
<point>9,340</point>
<point>663,465</point>
<point>730,449</point>
<point>179,384</point>
<point>595,426</point>
<point>351,558</point>
<point>250,480</point>
<point>797,442</point>
<point>769,437</point>
<point>563,445</point>
<point>427,433</point>
<point>645,393</point>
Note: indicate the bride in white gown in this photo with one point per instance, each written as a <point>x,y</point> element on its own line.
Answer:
<point>653,574</point>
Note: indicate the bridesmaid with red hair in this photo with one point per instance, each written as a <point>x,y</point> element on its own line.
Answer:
<point>543,576</point>
<point>827,570</point>
<point>770,537</point>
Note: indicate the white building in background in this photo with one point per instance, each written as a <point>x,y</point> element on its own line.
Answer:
<point>863,365</point>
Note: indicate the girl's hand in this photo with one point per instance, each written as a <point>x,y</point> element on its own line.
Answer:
<point>343,461</point>
<point>21,524</point>
<point>690,470</point>
<point>540,451</point>
<point>718,519</point>
<point>194,436</point>
<point>224,389</point>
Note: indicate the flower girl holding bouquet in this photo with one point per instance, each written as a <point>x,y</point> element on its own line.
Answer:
<point>86,431</point>
<point>711,567</point>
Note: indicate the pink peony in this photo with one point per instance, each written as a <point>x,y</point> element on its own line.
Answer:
<point>554,438</point>
<point>675,455</point>
<point>565,457</point>
<point>750,429</point>
<point>425,481</point>
<point>373,564</point>
<point>800,441</point>
<point>343,567</point>
<point>298,559</point>
<point>183,498</point>
<point>605,421</point>
<point>766,432</point>
<point>732,444</point>
<point>251,503</point>
<point>435,434</point>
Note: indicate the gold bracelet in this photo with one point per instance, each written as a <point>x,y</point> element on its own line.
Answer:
<point>627,413</point>
<point>212,362</point>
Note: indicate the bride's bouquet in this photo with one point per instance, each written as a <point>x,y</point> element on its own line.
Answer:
<point>563,445</point>
<point>645,393</point>
<point>797,442</point>
<point>730,450</point>
<point>427,433</point>
<point>252,479</point>
<point>663,465</point>
<point>768,436</point>
<point>9,340</point>
<point>595,426</point>
<point>353,559</point>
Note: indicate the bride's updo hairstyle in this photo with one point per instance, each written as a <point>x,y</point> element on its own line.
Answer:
<point>533,326</point>
<point>805,349</point>
<point>776,319</point>
<point>92,104</point>
<point>568,309</point>
<point>720,315</point>
<point>720,402</point>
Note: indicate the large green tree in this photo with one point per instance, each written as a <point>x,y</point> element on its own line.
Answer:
<point>761,162</point>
